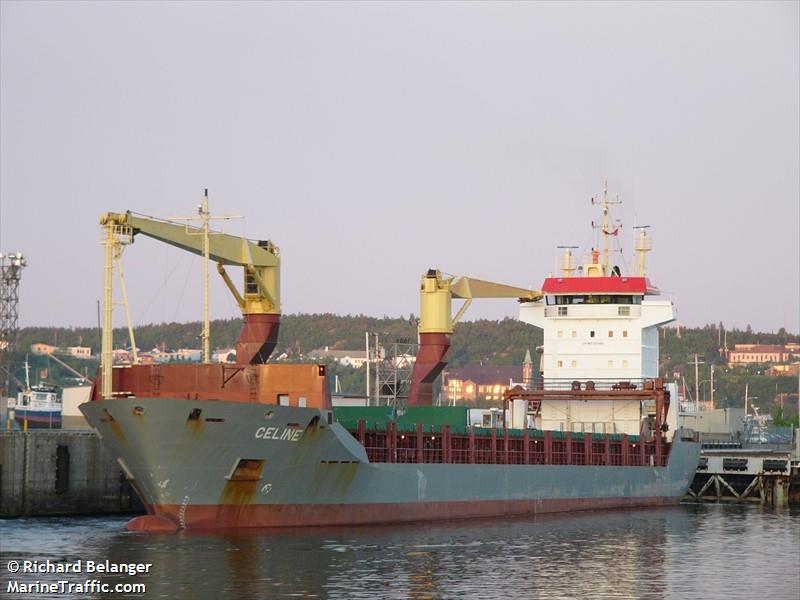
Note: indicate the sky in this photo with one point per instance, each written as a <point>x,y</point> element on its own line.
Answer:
<point>372,141</point>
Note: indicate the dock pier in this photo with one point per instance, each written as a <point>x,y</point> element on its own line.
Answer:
<point>61,472</point>
<point>768,477</point>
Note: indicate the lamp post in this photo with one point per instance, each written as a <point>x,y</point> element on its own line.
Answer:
<point>797,431</point>
<point>700,386</point>
<point>711,369</point>
<point>696,364</point>
<point>710,388</point>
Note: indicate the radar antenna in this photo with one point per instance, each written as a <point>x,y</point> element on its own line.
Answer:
<point>606,227</point>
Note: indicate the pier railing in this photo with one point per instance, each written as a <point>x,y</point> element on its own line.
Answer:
<point>392,443</point>
<point>595,384</point>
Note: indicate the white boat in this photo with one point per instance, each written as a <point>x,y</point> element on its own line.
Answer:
<point>39,406</point>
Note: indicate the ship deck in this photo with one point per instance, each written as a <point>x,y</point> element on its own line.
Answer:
<point>391,442</point>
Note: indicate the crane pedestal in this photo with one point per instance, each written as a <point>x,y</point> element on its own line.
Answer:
<point>257,339</point>
<point>430,361</point>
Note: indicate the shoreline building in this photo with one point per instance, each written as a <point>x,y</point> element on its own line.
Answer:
<point>748,354</point>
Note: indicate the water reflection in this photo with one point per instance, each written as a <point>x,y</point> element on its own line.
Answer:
<point>691,551</point>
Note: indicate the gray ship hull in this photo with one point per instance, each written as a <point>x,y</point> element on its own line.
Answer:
<point>238,464</point>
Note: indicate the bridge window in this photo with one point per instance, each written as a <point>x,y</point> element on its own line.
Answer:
<point>610,334</point>
<point>593,299</point>
<point>591,334</point>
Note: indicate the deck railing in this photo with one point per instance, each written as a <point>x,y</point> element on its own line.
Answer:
<point>597,384</point>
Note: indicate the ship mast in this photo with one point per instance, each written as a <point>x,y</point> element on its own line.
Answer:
<point>206,334</point>
<point>605,225</point>
<point>605,228</point>
<point>27,375</point>
<point>643,245</point>
<point>566,264</point>
<point>205,232</point>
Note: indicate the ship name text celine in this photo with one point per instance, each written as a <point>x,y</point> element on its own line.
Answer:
<point>287,434</point>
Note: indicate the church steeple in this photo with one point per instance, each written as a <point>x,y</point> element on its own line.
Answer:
<point>527,370</point>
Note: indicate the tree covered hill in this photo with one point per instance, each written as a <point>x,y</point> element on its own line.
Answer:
<point>492,342</point>
<point>474,342</point>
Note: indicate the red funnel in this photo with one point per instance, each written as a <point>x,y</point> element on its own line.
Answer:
<point>430,361</point>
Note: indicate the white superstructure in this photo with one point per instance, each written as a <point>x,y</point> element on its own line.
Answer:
<point>600,332</point>
<point>615,340</point>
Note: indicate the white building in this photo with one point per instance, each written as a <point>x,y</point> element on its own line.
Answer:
<point>80,351</point>
<point>224,355</point>
<point>351,358</point>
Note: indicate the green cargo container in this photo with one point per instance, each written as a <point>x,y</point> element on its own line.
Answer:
<point>433,417</point>
<point>455,416</point>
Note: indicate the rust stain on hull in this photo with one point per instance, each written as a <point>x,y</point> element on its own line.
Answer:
<point>344,478</point>
<point>334,478</point>
<point>114,426</point>
<point>194,426</point>
<point>240,490</point>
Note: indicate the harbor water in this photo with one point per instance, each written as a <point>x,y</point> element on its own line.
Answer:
<point>688,551</point>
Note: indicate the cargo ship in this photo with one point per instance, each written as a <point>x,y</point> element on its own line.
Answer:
<point>258,444</point>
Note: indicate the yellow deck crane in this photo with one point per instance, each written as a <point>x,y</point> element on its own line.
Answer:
<point>436,322</point>
<point>259,301</point>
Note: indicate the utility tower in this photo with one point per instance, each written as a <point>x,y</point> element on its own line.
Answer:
<point>392,367</point>
<point>11,266</point>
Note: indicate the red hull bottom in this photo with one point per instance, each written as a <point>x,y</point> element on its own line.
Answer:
<point>170,517</point>
<point>39,423</point>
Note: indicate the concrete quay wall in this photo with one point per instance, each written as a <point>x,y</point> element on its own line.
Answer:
<point>60,473</point>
